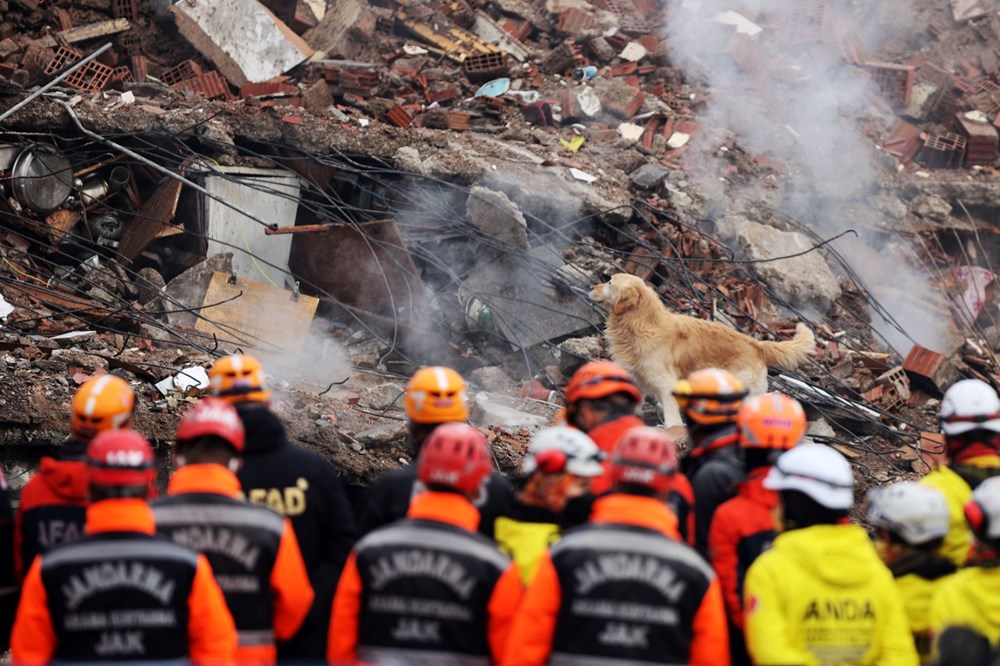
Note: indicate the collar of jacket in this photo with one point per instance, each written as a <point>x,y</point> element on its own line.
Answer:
<point>753,488</point>
<point>647,512</point>
<point>205,478</point>
<point>120,515</point>
<point>607,434</point>
<point>723,441</point>
<point>448,508</point>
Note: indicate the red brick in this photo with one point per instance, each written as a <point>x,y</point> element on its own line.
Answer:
<point>64,57</point>
<point>62,19</point>
<point>209,85</point>
<point>126,9</point>
<point>92,77</point>
<point>458,120</point>
<point>398,116</point>
<point>929,370</point>
<point>181,72</point>
<point>486,66</point>
<point>272,87</point>
<point>574,21</point>
<point>140,68</point>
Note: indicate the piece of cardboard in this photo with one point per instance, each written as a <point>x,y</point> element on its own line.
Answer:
<point>255,315</point>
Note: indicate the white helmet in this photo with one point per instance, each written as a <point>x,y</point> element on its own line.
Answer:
<point>970,404</point>
<point>816,470</point>
<point>983,511</point>
<point>915,512</point>
<point>562,448</point>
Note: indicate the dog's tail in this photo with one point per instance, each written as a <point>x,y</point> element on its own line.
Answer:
<point>788,354</point>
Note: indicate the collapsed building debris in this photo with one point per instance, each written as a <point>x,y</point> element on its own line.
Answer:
<point>383,185</point>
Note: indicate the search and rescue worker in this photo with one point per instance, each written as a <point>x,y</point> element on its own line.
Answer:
<point>434,395</point>
<point>556,473</point>
<point>601,399</point>
<point>821,595</point>
<point>624,589</point>
<point>970,599</point>
<point>709,400</point>
<point>53,504</point>
<point>429,589</point>
<point>910,521</point>
<point>295,483</point>
<point>970,421</point>
<point>120,594</point>
<point>253,550</point>
<point>9,586</point>
<point>743,527</point>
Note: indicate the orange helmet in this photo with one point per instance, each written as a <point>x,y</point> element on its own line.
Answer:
<point>238,378</point>
<point>771,421</point>
<point>436,394</point>
<point>599,379</point>
<point>101,403</point>
<point>711,396</point>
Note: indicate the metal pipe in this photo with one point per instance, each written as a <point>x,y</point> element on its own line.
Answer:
<point>30,98</point>
<point>153,165</point>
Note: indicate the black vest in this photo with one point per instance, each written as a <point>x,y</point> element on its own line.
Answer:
<point>426,586</point>
<point>241,543</point>
<point>629,596</point>
<point>119,596</point>
<point>47,526</point>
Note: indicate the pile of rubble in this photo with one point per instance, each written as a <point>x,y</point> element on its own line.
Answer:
<point>362,188</point>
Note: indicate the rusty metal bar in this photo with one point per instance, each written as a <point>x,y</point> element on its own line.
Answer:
<point>301,229</point>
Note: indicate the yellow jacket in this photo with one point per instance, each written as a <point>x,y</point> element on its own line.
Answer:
<point>957,493</point>
<point>969,598</point>
<point>822,596</point>
<point>525,542</point>
<point>917,593</point>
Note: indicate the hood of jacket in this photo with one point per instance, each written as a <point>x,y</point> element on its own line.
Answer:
<point>65,478</point>
<point>264,430</point>
<point>839,555</point>
<point>982,587</point>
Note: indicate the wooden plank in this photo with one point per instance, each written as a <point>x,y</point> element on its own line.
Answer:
<point>256,315</point>
<point>152,221</point>
<point>85,32</point>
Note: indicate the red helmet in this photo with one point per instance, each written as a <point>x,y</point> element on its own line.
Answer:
<point>644,456</point>
<point>599,379</point>
<point>120,458</point>
<point>212,416</point>
<point>455,455</point>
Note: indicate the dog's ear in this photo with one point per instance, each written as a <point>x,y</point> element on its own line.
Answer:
<point>626,298</point>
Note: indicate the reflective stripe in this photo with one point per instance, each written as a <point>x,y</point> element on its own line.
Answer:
<point>255,638</point>
<point>417,536</point>
<point>118,550</point>
<point>394,657</point>
<point>562,659</point>
<point>609,539</point>
<point>131,662</point>
<point>216,514</point>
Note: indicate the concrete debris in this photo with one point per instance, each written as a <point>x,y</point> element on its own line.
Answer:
<point>496,216</point>
<point>804,280</point>
<point>218,30</point>
<point>192,380</point>
<point>488,409</point>
<point>649,175</point>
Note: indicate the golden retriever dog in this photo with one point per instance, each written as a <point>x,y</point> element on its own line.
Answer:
<point>660,347</point>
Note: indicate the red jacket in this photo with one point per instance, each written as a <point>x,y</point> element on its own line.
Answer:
<point>52,510</point>
<point>681,498</point>
<point>742,529</point>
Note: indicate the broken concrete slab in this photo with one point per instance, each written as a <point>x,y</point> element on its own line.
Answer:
<point>188,289</point>
<point>968,10</point>
<point>491,32</point>
<point>219,30</point>
<point>343,30</point>
<point>576,351</point>
<point>649,175</point>
<point>931,208</point>
<point>488,410</point>
<point>805,281</point>
<point>497,216</point>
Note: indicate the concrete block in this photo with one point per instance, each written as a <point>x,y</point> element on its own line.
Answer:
<point>219,30</point>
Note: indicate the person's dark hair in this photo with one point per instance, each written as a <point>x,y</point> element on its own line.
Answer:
<point>100,492</point>
<point>960,646</point>
<point>206,449</point>
<point>755,458</point>
<point>799,510</point>
<point>635,489</point>
<point>617,405</point>
<point>417,434</point>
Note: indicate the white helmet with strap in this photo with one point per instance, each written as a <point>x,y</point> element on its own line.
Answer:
<point>563,449</point>
<point>914,512</point>
<point>816,470</point>
<point>968,405</point>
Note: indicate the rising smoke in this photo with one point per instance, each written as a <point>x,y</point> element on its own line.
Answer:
<point>787,93</point>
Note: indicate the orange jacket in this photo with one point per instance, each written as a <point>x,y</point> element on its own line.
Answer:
<point>51,512</point>
<point>210,628</point>
<point>742,529</point>
<point>534,627</point>
<point>289,581</point>
<point>451,510</point>
<point>681,498</point>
